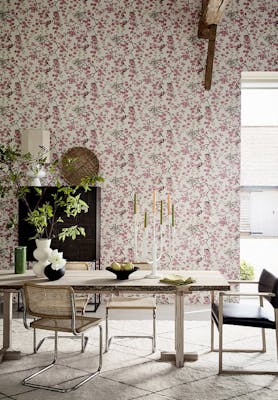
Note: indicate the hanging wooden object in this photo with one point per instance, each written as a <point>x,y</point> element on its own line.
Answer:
<point>212,11</point>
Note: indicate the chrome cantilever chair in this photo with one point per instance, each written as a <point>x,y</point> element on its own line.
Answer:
<point>247,314</point>
<point>81,301</point>
<point>53,308</point>
<point>132,303</point>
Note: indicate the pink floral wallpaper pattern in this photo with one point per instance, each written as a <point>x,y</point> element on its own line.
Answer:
<point>125,79</point>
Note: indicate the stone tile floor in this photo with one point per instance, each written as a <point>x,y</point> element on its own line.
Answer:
<point>130,371</point>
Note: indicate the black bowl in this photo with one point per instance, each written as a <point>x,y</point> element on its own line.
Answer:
<point>122,274</point>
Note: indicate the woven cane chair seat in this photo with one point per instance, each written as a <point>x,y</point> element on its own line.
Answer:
<point>65,325</point>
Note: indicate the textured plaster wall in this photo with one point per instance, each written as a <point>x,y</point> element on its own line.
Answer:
<point>125,79</point>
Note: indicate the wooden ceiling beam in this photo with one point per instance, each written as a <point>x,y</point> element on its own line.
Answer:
<point>212,11</point>
<point>210,56</point>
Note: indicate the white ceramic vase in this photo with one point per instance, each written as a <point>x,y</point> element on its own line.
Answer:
<point>41,254</point>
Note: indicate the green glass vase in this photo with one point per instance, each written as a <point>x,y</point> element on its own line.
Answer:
<point>20,259</point>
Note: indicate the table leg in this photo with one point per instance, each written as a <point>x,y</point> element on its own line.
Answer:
<point>179,329</point>
<point>6,353</point>
<point>179,356</point>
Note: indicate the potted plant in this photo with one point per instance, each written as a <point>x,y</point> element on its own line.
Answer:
<point>42,214</point>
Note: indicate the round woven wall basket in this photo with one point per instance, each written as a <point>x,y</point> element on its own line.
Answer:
<point>77,163</point>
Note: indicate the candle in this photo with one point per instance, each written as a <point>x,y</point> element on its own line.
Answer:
<point>154,201</point>
<point>135,204</point>
<point>169,204</point>
<point>161,212</point>
<point>173,215</point>
<point>145,220</point>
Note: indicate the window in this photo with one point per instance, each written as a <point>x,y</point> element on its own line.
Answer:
<point>259,154</point>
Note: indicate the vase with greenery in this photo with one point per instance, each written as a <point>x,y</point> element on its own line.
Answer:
<point>43,215</point>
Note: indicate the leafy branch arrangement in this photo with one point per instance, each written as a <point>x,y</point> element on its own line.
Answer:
<point>44,215</point>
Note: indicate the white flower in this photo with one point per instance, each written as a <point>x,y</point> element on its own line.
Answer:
<point>56,260</point>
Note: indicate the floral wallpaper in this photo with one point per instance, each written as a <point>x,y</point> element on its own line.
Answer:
<point>125,79</point>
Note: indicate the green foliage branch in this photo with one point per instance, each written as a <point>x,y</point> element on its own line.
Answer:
<point>44,216</point>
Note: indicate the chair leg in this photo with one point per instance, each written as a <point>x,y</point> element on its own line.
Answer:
<point>35,347</point>
<point>56,346</point>
<point>92,375</point>
<point>106,330</point>
<point>100,348</point>
<point>82,342</point>
<point>65,390</point>
<point>263,341</point>
<point>26,380</point>
<point>154,331</point>
<point>35,341</point>
<point>263,330</point>
<point>220,328</point>
<point>211,334</point>
<point>276,325</point>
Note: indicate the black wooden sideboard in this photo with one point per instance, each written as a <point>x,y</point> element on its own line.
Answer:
<point>82,248</point>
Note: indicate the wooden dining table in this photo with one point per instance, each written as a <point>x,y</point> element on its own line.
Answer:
<point>103,281</point>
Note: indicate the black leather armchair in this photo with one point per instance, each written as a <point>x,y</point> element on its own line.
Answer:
<point>251,314</point>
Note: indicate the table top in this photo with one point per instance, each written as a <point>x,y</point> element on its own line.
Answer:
<point>102,281</point>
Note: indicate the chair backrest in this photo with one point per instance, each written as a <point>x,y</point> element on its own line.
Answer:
<point>143,265</point>
<point>48,301</point>
<point>77,265</point>
<point>269,283</point>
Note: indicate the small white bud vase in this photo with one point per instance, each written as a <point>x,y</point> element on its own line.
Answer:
<point>42,254</point>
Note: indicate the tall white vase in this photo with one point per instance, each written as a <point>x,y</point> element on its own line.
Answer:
<point>41,254</point>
